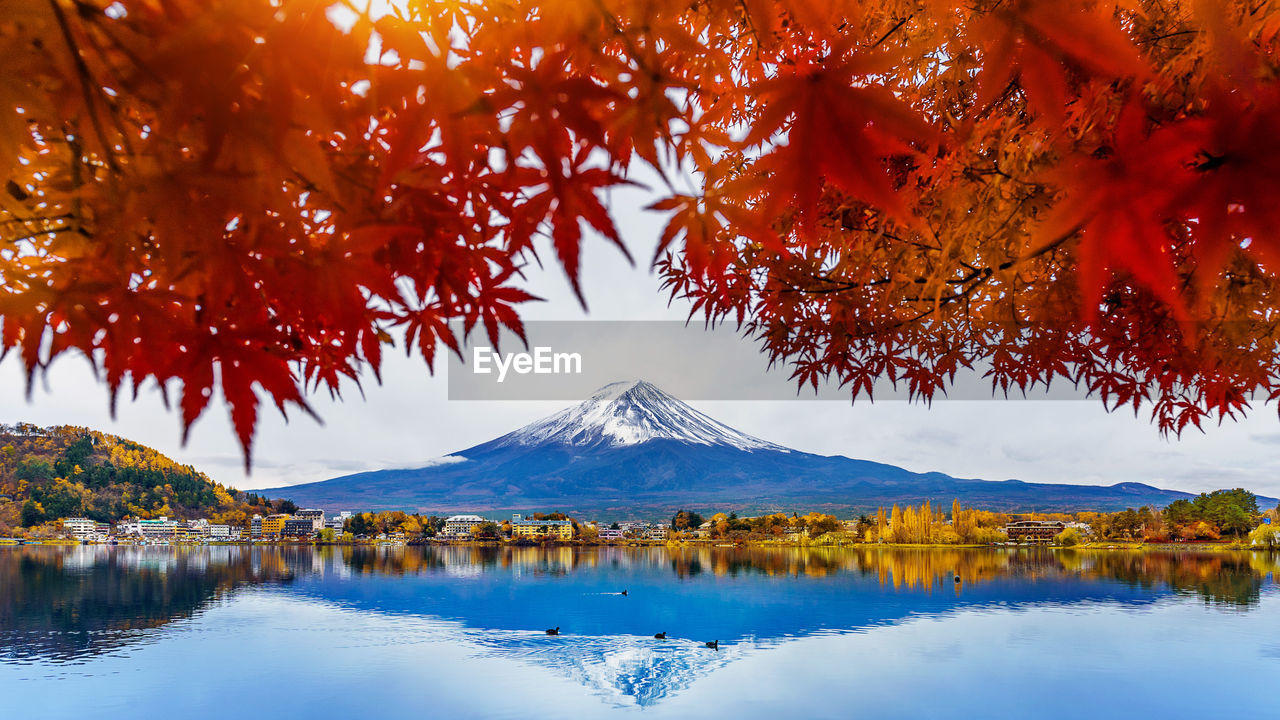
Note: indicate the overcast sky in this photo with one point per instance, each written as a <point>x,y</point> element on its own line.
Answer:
<point>409,420</point>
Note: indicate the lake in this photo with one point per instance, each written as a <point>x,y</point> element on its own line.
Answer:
<point>459,632</point>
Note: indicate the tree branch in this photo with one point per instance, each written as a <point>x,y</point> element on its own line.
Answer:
<point>86,80</point>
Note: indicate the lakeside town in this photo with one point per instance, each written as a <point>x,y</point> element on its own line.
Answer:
<point>898,526</point>
<point>313,525</point>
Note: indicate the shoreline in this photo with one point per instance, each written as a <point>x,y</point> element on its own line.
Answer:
<point>1113,546</point>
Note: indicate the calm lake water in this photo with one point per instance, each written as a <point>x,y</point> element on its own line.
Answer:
<point>456,632</point>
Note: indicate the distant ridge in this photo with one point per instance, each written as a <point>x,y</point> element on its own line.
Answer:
<point>631,449</point>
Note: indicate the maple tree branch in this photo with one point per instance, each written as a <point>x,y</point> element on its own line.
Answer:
<point>998,100</point>
<point>123,48</point>
<point>114,101</point>
<point>838,286</point>
<point>746,15</point>
<point>27,222</point>
<point>892,30</point>
<point>1166,36</point>
<point>903,322</point>
<point>86,78</point>
<point>958,295</point>
<point>77,155</point>
<point>626,39</point>
<point>914,243</point>
<point>1047,246</point>
<point>1005,223</point>
<point>995,170</point>
<point>730,70</point>
<point>17,193</point>
<point>311,187</point>
<point>982,274</point>
<point>38,233</point>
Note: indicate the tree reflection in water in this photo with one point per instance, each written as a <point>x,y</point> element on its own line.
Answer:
<point>63,603</point>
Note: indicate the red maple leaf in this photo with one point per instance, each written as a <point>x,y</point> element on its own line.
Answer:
<point>839,126</point>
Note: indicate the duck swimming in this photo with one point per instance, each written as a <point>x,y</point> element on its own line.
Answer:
<point>660,636</point>
<point>713,644</point>
<point>554,631</point>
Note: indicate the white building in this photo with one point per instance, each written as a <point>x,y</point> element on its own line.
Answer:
<point>161,528</point>
<point>223,533</point>
<point>85,529</point>
<point>656,532</point>
<point>315,516</point>
<point>459,526</point>
<point>608,533</point>
<point>338,522</point>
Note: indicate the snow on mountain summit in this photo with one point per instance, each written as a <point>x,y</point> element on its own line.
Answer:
<point>630,413</point>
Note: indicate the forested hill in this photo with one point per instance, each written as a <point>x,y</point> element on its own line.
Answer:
<point>52,473</point>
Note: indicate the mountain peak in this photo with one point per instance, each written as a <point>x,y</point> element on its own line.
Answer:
<point>622,387</point>
<point>630,413</point>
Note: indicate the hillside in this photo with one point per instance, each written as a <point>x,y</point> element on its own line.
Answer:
<point>632,449</point>
<point>51,473</point>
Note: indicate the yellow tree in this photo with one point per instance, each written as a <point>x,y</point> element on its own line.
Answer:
<point>411,526</point>
<point>897,528</point>
<point>720,524</point>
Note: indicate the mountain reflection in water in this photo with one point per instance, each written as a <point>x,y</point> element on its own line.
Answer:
<point>62,604</point>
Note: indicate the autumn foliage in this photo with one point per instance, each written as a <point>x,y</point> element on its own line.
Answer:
<point>50,474</point>
<point>257,196</point>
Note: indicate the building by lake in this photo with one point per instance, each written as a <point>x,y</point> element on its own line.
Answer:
<point>86,529</point>
<point>313,515</point>
<point>459,526</point>
<point>161,528</point>
<point>273,525</point>
<point>527,527</point>
<point>299,527</point>
<point>1038,531</point>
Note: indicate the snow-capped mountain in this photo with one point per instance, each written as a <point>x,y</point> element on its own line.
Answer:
<point>630,413</point>
<point>632,450</point>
